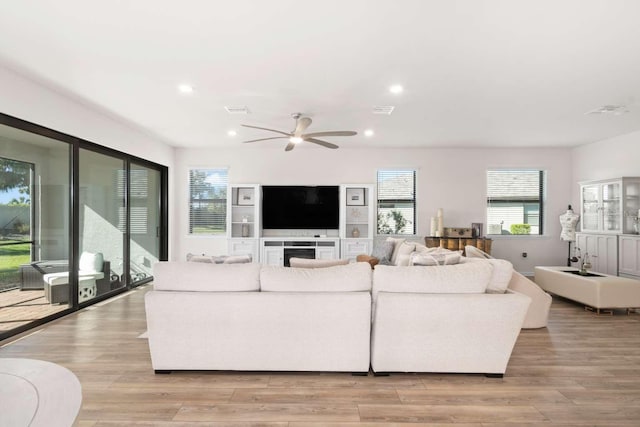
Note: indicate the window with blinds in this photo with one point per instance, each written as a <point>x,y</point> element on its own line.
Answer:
<point>515,201</point>
<point>396,201</point>
<point>207,201</point>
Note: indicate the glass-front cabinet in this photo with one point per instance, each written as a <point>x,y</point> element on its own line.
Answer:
<point>610,206</point>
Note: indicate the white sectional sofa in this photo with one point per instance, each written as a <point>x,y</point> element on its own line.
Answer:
<point>441,319</point>
<point>250,318</point>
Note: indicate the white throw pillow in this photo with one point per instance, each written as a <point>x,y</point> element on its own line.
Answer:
<point>341,278</point>
<point>199,258</point>
<point>91,263</point>
<point>196,276</point>
<point>237,259</point>
<point>435,256</point>
<point>501,275</point>
<point>396,247</point>
<point>316,263</point>
<point>473,252</point>
<point>403,254</point>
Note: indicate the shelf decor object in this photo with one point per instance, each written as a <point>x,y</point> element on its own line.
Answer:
<point>355,197</point>
<point>245,196</point>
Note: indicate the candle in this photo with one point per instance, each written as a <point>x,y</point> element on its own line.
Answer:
<point>434,226</point>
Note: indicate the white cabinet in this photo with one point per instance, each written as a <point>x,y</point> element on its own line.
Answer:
<point>602,250</point>
<point>357,222</point>
<point>351,248</point>
<point>243,219</point>
<point>278,250</point>
<point>629,256</point>
<point>610,206</point>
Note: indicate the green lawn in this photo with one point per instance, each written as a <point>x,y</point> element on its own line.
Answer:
<point>11,257</point>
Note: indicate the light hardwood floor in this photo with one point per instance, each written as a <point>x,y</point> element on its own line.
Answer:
<point>583,370</point>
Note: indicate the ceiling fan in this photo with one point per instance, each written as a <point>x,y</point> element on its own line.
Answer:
<point>297,135</point>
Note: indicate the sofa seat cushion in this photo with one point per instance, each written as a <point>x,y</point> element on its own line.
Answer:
<point>341,278</point>
<point>445,279</point>
<point>204,277</point>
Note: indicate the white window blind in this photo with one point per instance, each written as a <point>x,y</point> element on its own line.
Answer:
<point>515,201</point>
<point>207,201</point>
<point>396,201</point>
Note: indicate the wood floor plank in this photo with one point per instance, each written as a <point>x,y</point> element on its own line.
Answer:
<point>518,397</point>
<point>268,412</point>
<point>315,395</point>
<point>450,413</point>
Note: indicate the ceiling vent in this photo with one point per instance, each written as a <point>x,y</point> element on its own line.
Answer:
<point>614,110</point>
<point>383,109</point>
<point>237,110</point>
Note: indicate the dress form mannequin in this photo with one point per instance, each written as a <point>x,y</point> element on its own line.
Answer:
<point>568,221</point>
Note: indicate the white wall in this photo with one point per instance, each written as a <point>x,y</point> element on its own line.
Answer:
<point>609,158</point>
<point>28,100</point>
<point>453,179</point>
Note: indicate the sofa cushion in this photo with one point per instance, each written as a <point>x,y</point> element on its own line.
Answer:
<point>434,256</point>
<point>316,263</point>
<point>199,258</point>
<point>447,279</point>
<point>383,252</point>
<point>90,262</point>
<point>473,252</point>
<point>404,252</point>
<point>342,278</point>
<point>237,259</point>
<point>202,277</point>
<point>501,275</point>
<point>396,242</point>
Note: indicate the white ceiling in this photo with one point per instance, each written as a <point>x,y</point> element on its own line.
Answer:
<point>476,73</point>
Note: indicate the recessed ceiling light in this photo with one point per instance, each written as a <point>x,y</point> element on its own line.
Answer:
<point>232,133</point>
<point>396,89</point>
<point>185,88</point>
<point>368,132</point>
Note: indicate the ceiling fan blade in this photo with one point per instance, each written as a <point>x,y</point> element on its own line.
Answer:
<point>321,142</point>
<point>270,130</point>
<point>301,125</point>
<point>264,139</point>
<point>331,133</point>
<point>290,146</point>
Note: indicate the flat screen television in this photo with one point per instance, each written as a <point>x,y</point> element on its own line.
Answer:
<point>300,207</point>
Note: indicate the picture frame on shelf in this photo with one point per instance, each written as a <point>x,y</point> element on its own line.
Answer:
<point>245,197</point>
<point>355,196</point>
<point>477,229</point>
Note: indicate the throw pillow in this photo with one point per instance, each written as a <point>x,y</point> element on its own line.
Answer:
<point>396,247</point>
<point>404,253</point>
<point>383,251</point>
<point>473,252</point>
<point>316,263</point>
<point>199,258</point>
<point>237,259</point>
<point>91,262</point>
<point>436,256</point>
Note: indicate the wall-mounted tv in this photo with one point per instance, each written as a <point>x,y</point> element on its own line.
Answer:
<point>300,207</point>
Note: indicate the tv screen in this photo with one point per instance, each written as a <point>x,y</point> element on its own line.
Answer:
<point>299,207</point>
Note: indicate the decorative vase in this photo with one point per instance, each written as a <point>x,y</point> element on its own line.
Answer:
<point>245,229</point>
<point>355,232</point>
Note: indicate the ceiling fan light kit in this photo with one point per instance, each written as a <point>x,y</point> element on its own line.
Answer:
<point>298,136</point>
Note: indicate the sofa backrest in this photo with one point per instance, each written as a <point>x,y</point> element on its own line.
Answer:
<point>445,279</point>
<point>205,277</point>
<point>353,277</point>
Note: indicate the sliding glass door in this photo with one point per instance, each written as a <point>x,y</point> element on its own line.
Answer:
<point>78,223</point>
<point>144,214</point>
<point>35,224</point>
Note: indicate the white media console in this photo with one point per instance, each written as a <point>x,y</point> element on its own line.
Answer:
<point>246,235</point>
<point>278,250</point>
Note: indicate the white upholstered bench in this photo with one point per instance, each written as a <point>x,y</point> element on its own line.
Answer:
<point>597,291</point>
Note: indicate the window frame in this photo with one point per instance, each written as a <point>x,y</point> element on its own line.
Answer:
<point>413,201</point>
<point>540,201</point>
<point>215,201</point>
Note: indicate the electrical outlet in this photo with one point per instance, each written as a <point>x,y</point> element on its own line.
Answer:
<point>524,254</point>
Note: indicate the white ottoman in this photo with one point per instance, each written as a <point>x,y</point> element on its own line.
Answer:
<point>598,291</point>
